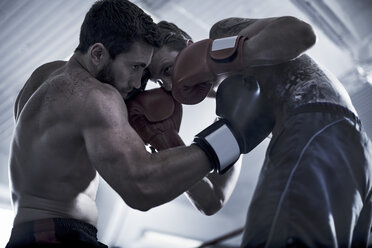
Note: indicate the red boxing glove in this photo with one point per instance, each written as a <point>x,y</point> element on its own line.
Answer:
<point>200,64</point>
<point>156,117</point>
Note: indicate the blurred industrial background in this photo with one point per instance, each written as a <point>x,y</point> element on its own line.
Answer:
<point>33,32</point>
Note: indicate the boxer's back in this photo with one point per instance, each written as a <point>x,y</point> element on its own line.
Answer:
<point>49,168</point>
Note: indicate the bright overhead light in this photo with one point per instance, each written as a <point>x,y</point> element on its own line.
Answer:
<point>163,240</point>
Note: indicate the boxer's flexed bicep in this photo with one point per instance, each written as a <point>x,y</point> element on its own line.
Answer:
<point>113,147</point>
<point>143,180</point>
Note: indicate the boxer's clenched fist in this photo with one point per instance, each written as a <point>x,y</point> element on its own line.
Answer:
<point>200,64</point>
<point>244,122</point>
<point>156,117</point>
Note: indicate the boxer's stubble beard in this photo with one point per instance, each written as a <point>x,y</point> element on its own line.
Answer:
<point>105,75</point>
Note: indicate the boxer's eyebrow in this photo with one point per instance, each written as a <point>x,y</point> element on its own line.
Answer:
<point>139,63</point>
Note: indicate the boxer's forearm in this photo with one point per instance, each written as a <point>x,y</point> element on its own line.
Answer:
<point>117,152</point>
<point>160,177</point>
<point>211,194</point>
<point>281,40</point>
<point>205,198</point>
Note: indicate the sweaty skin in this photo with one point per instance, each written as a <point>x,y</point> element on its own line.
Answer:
<point>69,126</point>
<point>274,56</point>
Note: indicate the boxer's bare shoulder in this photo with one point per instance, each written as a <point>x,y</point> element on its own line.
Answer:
<point>300,81</point>
<point>38,77</point>
<point>304,82</point>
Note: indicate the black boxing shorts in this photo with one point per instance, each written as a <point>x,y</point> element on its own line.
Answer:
<point>314,189</point>
<point>56,232</point>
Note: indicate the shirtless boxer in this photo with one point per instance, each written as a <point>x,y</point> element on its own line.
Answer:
<point>156,117</point>
<point>71,124</point>
<point>314,189</point>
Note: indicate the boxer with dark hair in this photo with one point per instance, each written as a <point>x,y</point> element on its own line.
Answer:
<point>71,124</point>
<point>172,40</point>
<point>66,116</point>
<point>315,188</point>
<point>156,116</point>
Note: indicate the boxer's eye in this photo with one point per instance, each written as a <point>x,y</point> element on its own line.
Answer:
<point>135,67</point>
<point>168,71</point>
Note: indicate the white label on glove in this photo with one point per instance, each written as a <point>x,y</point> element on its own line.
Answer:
<point>225,146</point>
<point>224,43</point>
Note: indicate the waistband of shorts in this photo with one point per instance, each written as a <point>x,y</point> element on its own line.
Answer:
<point>326,107</point>
<point>55,224</point>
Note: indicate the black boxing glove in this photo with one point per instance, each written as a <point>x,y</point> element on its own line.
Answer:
<point>244,121</point>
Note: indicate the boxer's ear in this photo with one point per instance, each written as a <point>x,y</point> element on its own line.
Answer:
<point>98,54</point>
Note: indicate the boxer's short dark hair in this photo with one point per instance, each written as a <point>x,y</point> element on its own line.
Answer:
<point>172,36</point>
<point>116,24</point>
